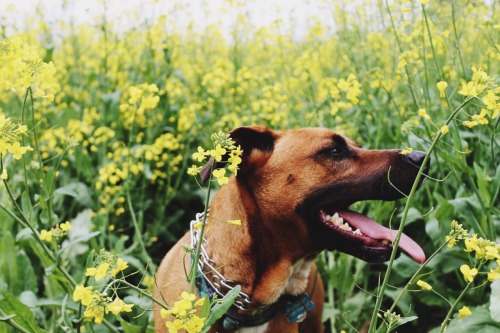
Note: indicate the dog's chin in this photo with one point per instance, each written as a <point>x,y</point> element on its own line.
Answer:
<point>361,237</point>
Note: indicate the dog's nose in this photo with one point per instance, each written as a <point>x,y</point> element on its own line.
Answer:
<point>416,159</point>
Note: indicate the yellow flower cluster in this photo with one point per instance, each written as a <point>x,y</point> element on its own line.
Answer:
<point>137,106</point>
<point>457,232</point>
<point>223,146</point>
<point>106,269</point>
<point>109,265</point>
<point>58,232</point>
<point>98,304</point>
<point>10,134</point>
<point>484,249</point>
<point>482,84</point>
<point>156,162</point>
<point>21,68</point>
<point>185,314</point>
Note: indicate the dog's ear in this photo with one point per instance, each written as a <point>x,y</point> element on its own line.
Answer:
<point>255,141</point>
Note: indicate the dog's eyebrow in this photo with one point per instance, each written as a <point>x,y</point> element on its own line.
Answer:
<point>338,140</point>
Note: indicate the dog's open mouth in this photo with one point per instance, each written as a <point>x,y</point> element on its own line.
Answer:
<point>364,238</point>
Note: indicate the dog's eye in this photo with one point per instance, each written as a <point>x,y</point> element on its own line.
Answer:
<point>336,151</point>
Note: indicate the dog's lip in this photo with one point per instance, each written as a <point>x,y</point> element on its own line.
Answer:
<point>373,235</point>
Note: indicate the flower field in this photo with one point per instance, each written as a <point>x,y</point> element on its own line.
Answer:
<point>98,127</point>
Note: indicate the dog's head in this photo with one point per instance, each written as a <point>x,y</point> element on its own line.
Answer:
<point>306,179</point>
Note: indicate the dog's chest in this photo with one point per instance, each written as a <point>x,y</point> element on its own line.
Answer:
<point>299,276</point>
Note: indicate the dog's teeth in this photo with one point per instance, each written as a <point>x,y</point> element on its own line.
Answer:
<point>336,216</point>
<point>385,241</point>
<point>357,232</point>
<point>328,217</point>
<point>346,226</point>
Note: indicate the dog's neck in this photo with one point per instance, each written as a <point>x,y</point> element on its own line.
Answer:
<point>257,254</point>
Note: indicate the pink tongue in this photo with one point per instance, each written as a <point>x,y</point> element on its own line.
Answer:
<point>374,230</point>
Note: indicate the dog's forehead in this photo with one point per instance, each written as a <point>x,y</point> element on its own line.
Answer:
<point>310,139</point>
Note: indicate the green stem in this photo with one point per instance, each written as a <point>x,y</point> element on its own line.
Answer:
<point>457,44</point>
<point>138,232</point>
<point>414,277</point>
<point>25,169</point>
<point>196,259</point>
<point>409,200</point>
<point>139,290</point>
<point>453,307</point>
<point>39,156</point>
<point>407,71</point>
<point>431,43</point>
<point>24,222</point>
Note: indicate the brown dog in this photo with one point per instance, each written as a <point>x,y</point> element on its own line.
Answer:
<point>290,185</point>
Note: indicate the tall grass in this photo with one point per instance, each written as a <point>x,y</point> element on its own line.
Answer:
<point>98,127</point>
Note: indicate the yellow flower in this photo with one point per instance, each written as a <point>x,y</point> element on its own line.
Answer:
<point>17,151</point>
<point>98,273</point>
<point>471,243</point>
<point>46,235</point>
<point>66,226</point>
<point>164,313</point>
<point>491,252</point>
<point>83,294</point>
<point>423,113</point>
<point>451,242</point>
<point>441,85</point>
<point>470,124</point>
<point>193,170</point>
<point>217,153</point>
<point>494,274</point>
<point>199,155</point>
<point>424,285</point>
<point>4,175</point>
<point>424,2</point>
<point>464,312</point>
<point>480,118</point>
<point>118,306</point>
<point>234,160</point>
<point>97,309</point>
<point>237,151</point>
<point>219,174</point>
<point>120,266</point>
<point>187,296</point>
<point>445,129</point>
<point>469,273</point>
<point>406,151</point>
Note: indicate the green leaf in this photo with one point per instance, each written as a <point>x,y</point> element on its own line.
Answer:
<point>221,307</point>
<point>130,328</point>
<point>205,308</point>
<point>77,190</point>
<point>10,305</point>
<point>404,321</point>
<point>82,238</point>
